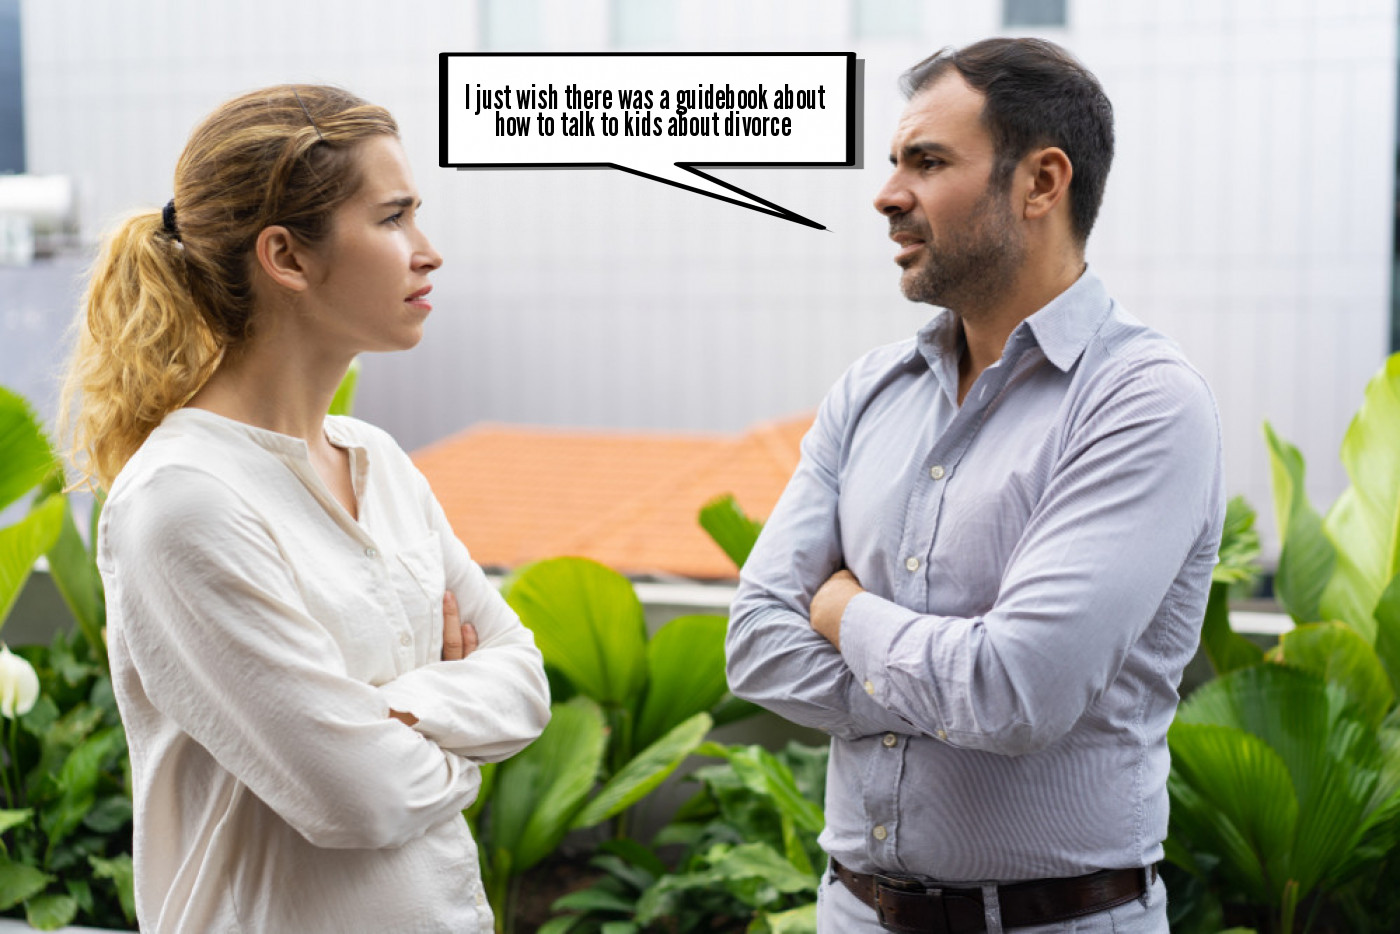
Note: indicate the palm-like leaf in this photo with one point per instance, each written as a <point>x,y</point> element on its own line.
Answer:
<point>588,624</point>
<point>685,674</point>
<point>1341,656</point>
<point>636,779</point>
<point>21,545</point>
<point>25,455</point>
<point>1308,558</point>
<point>731,528</point>
<point>1364,523</point>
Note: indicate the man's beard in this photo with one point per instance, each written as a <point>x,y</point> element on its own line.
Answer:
<point>967,269</point>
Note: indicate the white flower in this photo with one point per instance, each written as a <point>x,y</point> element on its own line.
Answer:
<point>19,685</point>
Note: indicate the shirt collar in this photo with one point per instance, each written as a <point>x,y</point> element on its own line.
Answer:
<point>1062,329</point>
<point>276,442</point>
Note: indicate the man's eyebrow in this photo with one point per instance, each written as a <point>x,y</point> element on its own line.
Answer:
<point>921,149</point>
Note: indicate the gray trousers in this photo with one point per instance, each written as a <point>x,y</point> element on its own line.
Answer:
<point>840,912</point>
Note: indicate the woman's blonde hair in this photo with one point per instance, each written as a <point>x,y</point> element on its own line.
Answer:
<point>166,301</point>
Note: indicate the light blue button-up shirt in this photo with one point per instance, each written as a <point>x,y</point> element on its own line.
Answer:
<point>1036,563</point>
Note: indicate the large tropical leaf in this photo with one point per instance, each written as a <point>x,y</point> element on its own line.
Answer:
<point>1331,753</point>
<point>765,774</point>
<point>588,624</point>
<point>1337,653</point>
<point>635,780</point>
<point>343,403</point>
<point>1364,522</point>
<point>685,674</point>
<point>1239,545</point>
<point>1225,648</point>
<point>21,545</point>
<point>75,574</point>
<point>25,455</point>
<point>754,873</point>
<point>1231,795</point>
<point>1308,558</point>
<point>1388,630</point>
<point>539,791</point>
<point>731,528</point>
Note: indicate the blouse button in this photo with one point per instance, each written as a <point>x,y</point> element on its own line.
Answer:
<point>371,552</point>
<point>405,639</point>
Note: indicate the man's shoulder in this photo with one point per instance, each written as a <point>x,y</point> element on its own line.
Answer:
<point>1127,350</point>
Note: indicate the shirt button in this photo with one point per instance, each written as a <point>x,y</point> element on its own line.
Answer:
<point>371,552</point>
<point>405,639</point>
<point>936,471</point>
<point>890,739</point>
<point>870,688</point>
<point>942,734</point>
<point>911,563</point>
<point>880,833</point>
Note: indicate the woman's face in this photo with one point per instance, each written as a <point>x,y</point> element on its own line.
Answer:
<point>368,281</point>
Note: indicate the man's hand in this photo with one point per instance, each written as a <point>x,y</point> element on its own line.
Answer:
<point>829,604</point>
<point>458,638</point>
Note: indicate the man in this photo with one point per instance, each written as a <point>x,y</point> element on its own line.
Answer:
<point>990,567</point>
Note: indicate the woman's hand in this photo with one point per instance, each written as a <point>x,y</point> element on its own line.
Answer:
<point>458,638</point>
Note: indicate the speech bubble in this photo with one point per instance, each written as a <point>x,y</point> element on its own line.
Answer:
<point>654,115</point>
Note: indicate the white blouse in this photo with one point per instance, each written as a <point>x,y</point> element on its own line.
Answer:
<point>259,636</point>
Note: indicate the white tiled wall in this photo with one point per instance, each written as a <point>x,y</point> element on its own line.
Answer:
<point>1248,213</point>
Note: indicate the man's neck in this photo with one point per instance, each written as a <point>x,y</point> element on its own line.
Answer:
<point>986,329</point>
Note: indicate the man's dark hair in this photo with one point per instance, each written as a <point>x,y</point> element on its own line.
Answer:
<point>1037,94</point>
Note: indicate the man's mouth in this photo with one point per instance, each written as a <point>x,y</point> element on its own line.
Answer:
<point>911,244</point>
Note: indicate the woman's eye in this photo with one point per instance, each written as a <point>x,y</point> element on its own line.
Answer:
<point>394,219</point>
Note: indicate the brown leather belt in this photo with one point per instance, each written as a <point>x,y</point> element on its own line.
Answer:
<point>908,906</point>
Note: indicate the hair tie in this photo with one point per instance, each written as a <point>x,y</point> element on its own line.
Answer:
<point>167,218</point>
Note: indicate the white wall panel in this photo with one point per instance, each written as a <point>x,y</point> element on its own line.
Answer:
<point>1248,214</point>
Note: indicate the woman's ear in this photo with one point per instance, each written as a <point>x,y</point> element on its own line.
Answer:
<point>282,257</point>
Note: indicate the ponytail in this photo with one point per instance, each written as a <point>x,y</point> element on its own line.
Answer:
<point>142,349</point>
<point>161,312</point>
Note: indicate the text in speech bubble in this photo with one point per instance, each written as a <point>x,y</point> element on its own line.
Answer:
<point>655,115</point>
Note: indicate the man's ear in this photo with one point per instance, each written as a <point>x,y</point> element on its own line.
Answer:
<point>282,257</point>
<point>1049,173</point>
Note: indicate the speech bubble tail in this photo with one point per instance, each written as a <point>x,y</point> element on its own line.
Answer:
<point>682,175</point>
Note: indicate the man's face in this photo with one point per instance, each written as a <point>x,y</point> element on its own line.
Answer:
<point>961,244</point>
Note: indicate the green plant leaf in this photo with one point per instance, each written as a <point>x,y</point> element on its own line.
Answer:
<point>559,925</point>
<point>1364,522</point>
<point>74,572</point>
<point>1231,794</point>
<point>1338,654</point>
<point>343,403</point>
<point>77,781</point>
<point>50,912</point>
<point>19,881</point>
<point>685,674</point>
<point>732,709</point>
<point>483,793</point>
<point>1332,757</point>
<point>594,899</point>
<point>119,869</point>
<point>21,545</point>
<point>588,623</point>
<point>25,455</point>
<point>801,920</point>
<point>1388,630</point>
<point>620,927</point>
<point>1239,545</point>
<point>648,769</point>
<point>539,791</point>
<point>731,528</point>
<point>764,774</point>
<point>753,873</point>
<point>17,817</point>
<point>1225,648</point>
<point>1309,558</point>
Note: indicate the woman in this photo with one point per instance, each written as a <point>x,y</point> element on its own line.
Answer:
<point>305,706</point>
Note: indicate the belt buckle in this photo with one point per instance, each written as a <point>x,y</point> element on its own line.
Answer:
<point>894,884</point>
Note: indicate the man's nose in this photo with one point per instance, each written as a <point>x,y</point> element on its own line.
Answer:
<point>894,198</point>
